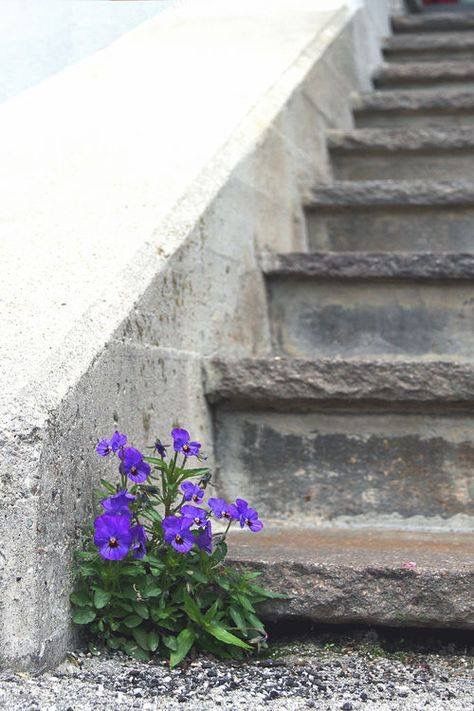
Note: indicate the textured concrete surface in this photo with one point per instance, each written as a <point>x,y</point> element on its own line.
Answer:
<point>370,265</point>
<point>288,382</point>
<point>121,300</point>
<point>396,140</point>
<point>314,318</point>
<point>331,465</point>
<point>358,576</point>
<point>425,74</point>
<point>454,46</point>
<point>416,107</point>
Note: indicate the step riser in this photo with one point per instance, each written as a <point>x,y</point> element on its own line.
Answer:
<point>437,22</point>
<point>324,465</point>
<point>410,230</point>
<point>408,56</point>
<point>403,166</point>
<point>314,318</point>
<point>419,119</point>
<point>415,85</point>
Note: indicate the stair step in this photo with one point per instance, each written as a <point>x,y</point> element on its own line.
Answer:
<point>420,107</point>
<point>402,153</point>
<point>454,46</point>
<point>281,383</point>
<point>370,265</point>
<point>434,22</point>
<point>425,75</point>
<point>361,305</point>
<point>393,216</point>
<point>347,576</point>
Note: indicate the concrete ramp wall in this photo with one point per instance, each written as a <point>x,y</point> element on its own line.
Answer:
<point>140,187</point>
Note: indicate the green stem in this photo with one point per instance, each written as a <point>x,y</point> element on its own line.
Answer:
<point>226,530</point>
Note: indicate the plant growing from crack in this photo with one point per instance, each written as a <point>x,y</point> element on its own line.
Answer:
<point>153,580</point>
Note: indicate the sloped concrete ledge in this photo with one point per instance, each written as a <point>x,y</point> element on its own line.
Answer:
<point>279,382</point>
<point>343,576</point>
<point>370,265</point>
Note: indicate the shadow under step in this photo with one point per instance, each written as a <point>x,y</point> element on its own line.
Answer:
<point>425,75</point>
<point>416,107</point>
<point>431,47</point>
<point>434,22</point>
<point>402,153</point>
<point>358,576</point>
<point>390,215</point>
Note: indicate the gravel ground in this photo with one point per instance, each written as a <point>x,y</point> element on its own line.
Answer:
<point>326,670</point>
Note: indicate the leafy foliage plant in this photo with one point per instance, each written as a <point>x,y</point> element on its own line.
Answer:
<point>152,580</point>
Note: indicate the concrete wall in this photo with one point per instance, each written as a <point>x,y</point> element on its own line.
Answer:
<point>141,186</point>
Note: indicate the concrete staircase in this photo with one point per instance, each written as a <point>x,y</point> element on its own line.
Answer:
<point>355,440</point>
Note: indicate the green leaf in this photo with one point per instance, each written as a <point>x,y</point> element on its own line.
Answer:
<point>158,463</point>
<point>83,616</point>
<point>194,472</point>
<point>141,638</point>
<point>152,590</point>
<point>224,635</point>
<point>245,602</point>
<point>170,642</point>
<point>198,575</point>
<point>184,642</point>
<point>101,598</point>
<point>108,486</point>
<point>87,571</point>
<point>238,619</point>
<point>263,592</point>
<point>153,641</point>
<point>255,623</point>
<point>81,599</point>
<point>211,613</point>
<point>192,609</point>
<point>152,515</point>
<point>132,621</point>
<point>132,570</point>
<point>141,610</point>
<point>220,553</point>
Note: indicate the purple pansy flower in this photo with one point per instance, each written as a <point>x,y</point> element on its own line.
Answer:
<point>139,540</point>
<point>177,532</point>
<point>182,443</point>
<point>117,441</point>
<point>221,509</point>
<point>248,516</point>
<point>103,448</point>
<point>198,515</point>
<point>119,503</point>
<point>204,540</point>
<point>160,448</point>
<point>133,466</point>
<point>192,492</point>
<point>112,536</point>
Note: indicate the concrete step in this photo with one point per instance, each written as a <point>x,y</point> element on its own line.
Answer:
<point>392,216</point>
<point>425,75</point>
<point>421,107</point>
<point>331,439</point>
<point>434,22</point>
<point>402,153</point>
<point>352,304</point>
<point>344,576</point>
<point>429,47</point>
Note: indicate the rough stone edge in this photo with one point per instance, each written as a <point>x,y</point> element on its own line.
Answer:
<point>429,42</point>
<point>414,101</point>
<point>399,140</point>
<point>434,22</point>
<point>280,382</point>
<point>370,265</point>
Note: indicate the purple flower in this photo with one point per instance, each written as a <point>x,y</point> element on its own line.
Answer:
<point>160,448</point>
<point>117,441</point>
<point>133,466</point>
<point>112,536</point>
<point>177,532</point>
<point>247,516</point>
<point>204,540</point>
<point>118,504</point>
<point>104,448</point>
<point>181,443</point>
<point>139,540</point>
<point>192,492</point>
<point>221,509</point>
<point>198,515</point>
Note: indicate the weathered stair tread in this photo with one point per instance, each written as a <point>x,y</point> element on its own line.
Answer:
<point>344,576</point>
<point>434,22</point>
<point>400,140</point>
<point>392,193</point>
<point>433,41</point>
<point>280,382</point>
<point>441,100</point>
<point>422,72</point>
<point>370,265</point>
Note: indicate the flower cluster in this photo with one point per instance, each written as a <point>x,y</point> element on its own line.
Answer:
<point>152,579</point>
